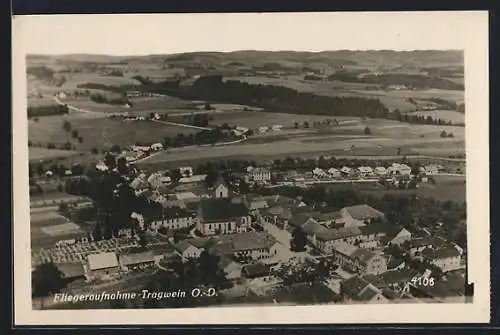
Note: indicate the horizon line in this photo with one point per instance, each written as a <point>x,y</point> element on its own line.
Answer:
<point>239,50</point>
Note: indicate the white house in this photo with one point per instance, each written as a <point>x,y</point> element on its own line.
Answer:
<point>401,237</point>
<point>359,260</point>
<point>347,170</point>
<point>447,259</point>
<point>355,216</point>
<point>186,171</point>
<point>157,146</point>
<point>263,129</point>
<point>141,148</point>
<point>277,127</point>
<point>320,173</point>
<point>433,169</point>
<point>187,251</point>
<point>99,166</point>
<point>335,173</point>
<point>61,95</point>
<point>380,171</point>
<point>399,169</point>
<point>365,171</point>
<point>259,174</point>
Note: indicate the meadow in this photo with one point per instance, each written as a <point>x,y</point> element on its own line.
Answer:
<point>101,133</point>
<point>40,154</point>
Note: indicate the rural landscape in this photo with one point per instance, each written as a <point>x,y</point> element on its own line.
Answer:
<point>247,177</point>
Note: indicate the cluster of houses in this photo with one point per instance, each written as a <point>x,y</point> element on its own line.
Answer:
<point>273,128</point>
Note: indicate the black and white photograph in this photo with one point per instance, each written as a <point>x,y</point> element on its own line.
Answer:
<point>258,167</point>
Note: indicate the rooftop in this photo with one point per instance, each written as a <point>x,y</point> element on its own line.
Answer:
<point>231,243</point>
<point>335,234</point>
<point>362,212</point>
<point>103,260</point>
<point>136,258</point>
<point>221,209</point>
<point>71,270</point>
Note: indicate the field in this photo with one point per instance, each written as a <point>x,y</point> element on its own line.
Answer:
<point>447,188</point>
<point>101,133</point>
<point>254,120</point>
<point>38,154</point>
<point>40,102</point>
<point>386,138</point>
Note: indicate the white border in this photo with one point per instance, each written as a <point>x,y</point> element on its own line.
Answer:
<point>469,29</point>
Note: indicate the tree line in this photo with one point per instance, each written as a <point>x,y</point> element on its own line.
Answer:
<point>422,119</point>
<point>40,111</point>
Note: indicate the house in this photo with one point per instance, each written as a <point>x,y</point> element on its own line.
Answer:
<point>140,148</point>
<point>325,239</point>
<point>256,270</point>
<point>99,166</point>
<point>400,237</point>
<point>330,219</point>
<point>139,183</point>
<point>174,218</point>
<point>157,146</point>
<point>61,95</point>
<point>299,220</point>
<point>357,259</point>
<point>380,171</point>
<point>71,271</point>
<point>357,215</point>
<point>223,216</point>
<point>231,269</point>
<point>319,173</point>
<point>221,188</point>
<point>399,169</point>
<point>254,245</point>
<point>358,289</point>
<point>334,173</point>
<point>447,259</point>
<point>155,180</point>
<point>371,234</point>
<point>277,127</point>
<point>192,179</point>
<point>186,197</point>
<point>347,171</point>
<point>136,260</point>
<point>395,264</point>
<point>263,129</point>
<point>102,265</point>
<point>365,171</point>
<point>416,246</point>
<point>186,171</point>
<point>259,174</point>
<point>396,280</point>
<point>433,169</point>
<point>187,250</point>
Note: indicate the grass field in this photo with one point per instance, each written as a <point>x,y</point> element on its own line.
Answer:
<point>38,154</point>
<point>254,120</point>
<point>40,102</point>
<point>447,188</point>
<point>101,133</point>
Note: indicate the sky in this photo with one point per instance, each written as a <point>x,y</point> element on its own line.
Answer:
<point>143,34</point>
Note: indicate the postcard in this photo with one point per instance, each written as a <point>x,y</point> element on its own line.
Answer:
<point>262,168</point>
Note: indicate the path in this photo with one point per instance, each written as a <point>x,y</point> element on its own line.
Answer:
<point>75,109</point>
<point>181,125</point>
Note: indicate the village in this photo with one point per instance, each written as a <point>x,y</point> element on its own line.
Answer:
<point>267,245</point>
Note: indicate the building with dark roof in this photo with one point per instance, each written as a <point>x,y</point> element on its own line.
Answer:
<point>252,244</point>
<point>223,216</point>
<point>357,215</point>
<point>447,258</point>
<point>256,270</point>
<point>135,260</point>
<point>358,260</point>
<point>358,289</point>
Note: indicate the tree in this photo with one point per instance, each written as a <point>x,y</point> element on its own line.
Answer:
<point>67,126</point>
<point>46,280</point>
<point>298,241</point>
<point>175,175</point>
<point>443,133</point>
<point>110,161</point>
<point>94,151</point>
<point>116,149</point>
<point>367,130</point>
<point>296,125</point>
<point>74,134</point>
<point>121,165</point>
<point>306,124</point>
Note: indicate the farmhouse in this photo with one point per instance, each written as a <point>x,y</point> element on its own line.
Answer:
<point>416,246</point>
<point>255,245</point>
<point>156,146</point>
<point>71,271</point>
<point>365,171</point>
<point>263,129</point>
<point>447,259</point>
<point>325,239</point>
<point>319,173</point>
<point>186,171</point>
<point>359,260</point>
<point>335,173</point>
<point>301,219</point>
<point>400,237</point>
<point>187,250</point>
<point>222,216</point>
<point>399,169</point>
<point>433,169</point>
<point>380,171</point>
<point>136,260</point>
<point>358,289</point>
<point>277,127</point>
<point>193,179</point>
<point>140,148</point>
<point>347,171</point>
<point>358,215</point>
<point>102,265</point>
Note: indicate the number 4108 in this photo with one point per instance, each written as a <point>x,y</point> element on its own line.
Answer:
<point>423,281</point>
